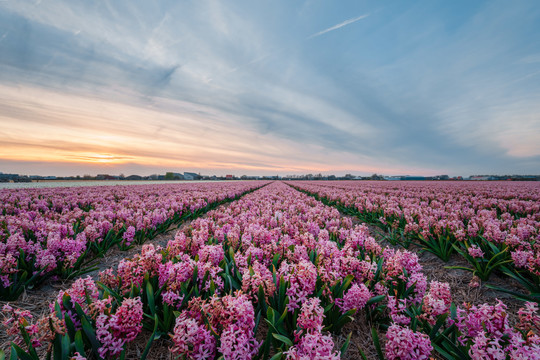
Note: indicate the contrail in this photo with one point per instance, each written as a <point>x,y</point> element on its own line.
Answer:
<point>338,26</point>
<point>264,57</point>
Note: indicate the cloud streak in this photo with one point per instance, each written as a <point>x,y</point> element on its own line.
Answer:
<point>273,53</point>
<point>338,26</point>
<point>422,88</point>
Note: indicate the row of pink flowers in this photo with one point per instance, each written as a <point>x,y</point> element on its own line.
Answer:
<point>227,269</point>
<point>55,228</point>
<point>507,214</point>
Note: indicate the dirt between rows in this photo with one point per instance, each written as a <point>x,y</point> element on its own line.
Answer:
<point>37,300</point>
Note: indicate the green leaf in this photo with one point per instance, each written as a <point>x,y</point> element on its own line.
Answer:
<point>79,344</point>
<point>151,340</point>
<point>347,281</point>
<point>58,310</point>
<point>440,322</point>
<point>91,335</point>
<point>531,297</point>
<point>20,353</point>
<point>375,299</point>
<point>328,308</point>
<point>459,268</point>
<point>270,315</point>
<point>70,326</point>
<point>150,297</point>
<point>345,345</point>
<point>283,339</point>
<point>376,342</point>
<point>112,292</point>
<point>342,320</point>
<point>441,351</point>
<point>278,356</point>
<point>79,311</point>
<point>282,317</point>
<point>275,260</point>
<point>66,344</point>
<point>362,354</point>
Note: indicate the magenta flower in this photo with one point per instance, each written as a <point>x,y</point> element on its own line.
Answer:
<point>129,235</point>
<point>404,344</point>
<point>237,344</point>
<point>475,251</point>
<point>311,315</point>
<point>113,331</point>
<point>192,339</point>
<point>355,298</point>
<point>314,346</point>
<point>437,301</point>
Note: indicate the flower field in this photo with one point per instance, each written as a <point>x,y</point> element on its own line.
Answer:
<point>494,227</point>
<point>54,232</point>
<point>278,274</point>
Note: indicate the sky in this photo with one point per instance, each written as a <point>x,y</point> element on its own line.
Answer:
<point>270,87</point>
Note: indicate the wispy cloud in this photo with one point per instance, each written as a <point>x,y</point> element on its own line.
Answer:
<point>339,26</point>
<point>266,56</point>
<point>244,85</point>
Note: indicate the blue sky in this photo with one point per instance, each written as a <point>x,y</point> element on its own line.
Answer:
<point>267,87</point>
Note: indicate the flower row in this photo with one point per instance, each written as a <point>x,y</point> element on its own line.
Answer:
<point>53,232</point>
<point>494,226</point>
<point>283,259</point>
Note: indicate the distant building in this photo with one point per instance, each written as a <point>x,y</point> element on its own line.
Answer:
<point>441,177</point>
<point>134,177</point>
<point>413,178</point>
<point>174,176</point>
<point>8,177</point>
<point>14,178</point>
<point>228,177</point>
<point>392,178</point>
<point>477,178</point>
<point>190,176</point>
<point>106,177</point>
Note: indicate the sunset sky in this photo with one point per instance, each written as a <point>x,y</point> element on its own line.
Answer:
<point>270,87</point>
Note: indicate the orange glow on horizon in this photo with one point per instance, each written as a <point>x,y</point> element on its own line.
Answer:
<point>72,129</point>
<point>102,158</point>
